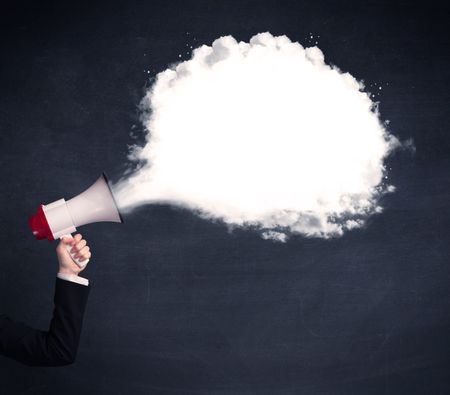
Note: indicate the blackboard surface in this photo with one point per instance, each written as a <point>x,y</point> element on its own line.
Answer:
<point>178,304</point>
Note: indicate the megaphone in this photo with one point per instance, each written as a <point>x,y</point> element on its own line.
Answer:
<point>61,218</point>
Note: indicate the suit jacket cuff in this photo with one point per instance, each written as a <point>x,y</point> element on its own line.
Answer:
<point>71,297</point>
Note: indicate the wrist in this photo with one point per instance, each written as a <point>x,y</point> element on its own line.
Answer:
<point>68,272</point>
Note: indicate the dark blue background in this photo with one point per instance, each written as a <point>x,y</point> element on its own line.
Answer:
<point>179,305</point>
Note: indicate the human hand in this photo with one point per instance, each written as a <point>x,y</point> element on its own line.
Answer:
<point>78,246</point>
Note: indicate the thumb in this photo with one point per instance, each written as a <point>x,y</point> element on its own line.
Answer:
<point>67,240</point>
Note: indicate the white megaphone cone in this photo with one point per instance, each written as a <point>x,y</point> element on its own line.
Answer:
<point>61,218</point>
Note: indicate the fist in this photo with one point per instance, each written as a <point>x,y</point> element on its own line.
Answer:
<point>79,246</point>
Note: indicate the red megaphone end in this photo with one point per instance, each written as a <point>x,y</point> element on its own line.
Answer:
<point>39,225</point>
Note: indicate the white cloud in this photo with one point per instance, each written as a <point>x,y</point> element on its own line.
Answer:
<point>264,134</point>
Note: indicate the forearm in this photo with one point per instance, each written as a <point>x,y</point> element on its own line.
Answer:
<point>57,346</point>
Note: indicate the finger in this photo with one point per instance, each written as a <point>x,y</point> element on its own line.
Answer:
<point>77,237</point>
<point>83,251</point>
<point>85,257</point>
<point>77,247</point>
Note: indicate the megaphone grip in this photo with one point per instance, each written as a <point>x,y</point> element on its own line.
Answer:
<point>81,265</point>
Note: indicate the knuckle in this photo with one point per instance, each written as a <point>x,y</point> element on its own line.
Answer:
<point>80,245</point>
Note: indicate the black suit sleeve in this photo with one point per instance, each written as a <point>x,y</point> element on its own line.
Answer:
<point>59,345</point>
